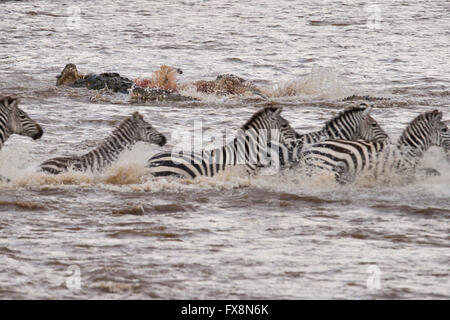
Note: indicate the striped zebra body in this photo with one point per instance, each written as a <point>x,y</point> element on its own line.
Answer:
<point>350,158</point>
<point>353,123</point>
<point>249,149</point>
<point>191,164</point>
<point>14,120</point>
<point>130,131</point>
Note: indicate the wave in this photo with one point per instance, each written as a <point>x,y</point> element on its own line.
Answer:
<point>321,83</point>
<point>129,174</point>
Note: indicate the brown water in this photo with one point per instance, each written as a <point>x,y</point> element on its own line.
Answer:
<point>123,234</point>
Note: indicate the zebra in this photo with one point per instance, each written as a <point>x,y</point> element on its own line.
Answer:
<point>349,158</point>
<point>15,120</point>
<point>248,148</point>
<point>353,123</point>
<point>127,133</point>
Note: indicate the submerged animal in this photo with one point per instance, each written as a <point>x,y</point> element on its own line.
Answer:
<point>163,79</point>
<point>129,131</point>
<point>227,84</point>
<point>112,81</point>
<point>149,94</point>
<point>161,87</point>
<point>365,98</point>
<point>69,75</point>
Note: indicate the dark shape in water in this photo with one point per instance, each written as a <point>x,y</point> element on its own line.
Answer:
<point>226,84</point>
<point>365,98</point>
<point>150,94</point>
<point>4,179</point>
<point>113,81</point>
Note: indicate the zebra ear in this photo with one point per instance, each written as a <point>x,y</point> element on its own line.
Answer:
<point>137,116</point>
<point>437,115</point>
<point>12,102</point>
<point>277,111</point>
<point>366,112</point>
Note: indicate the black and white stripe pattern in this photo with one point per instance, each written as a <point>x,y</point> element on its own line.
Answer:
<point>249,148</point>
<point>130,131</point>
<point>14,120</point>
<point>349,158</point>
<point>354,123</point>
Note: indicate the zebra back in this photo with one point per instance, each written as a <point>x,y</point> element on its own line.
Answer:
<point>348,158</point>
<point>127,133</point>
<point>250,148</point>
<point>14,120</point>
<point>353,123</point>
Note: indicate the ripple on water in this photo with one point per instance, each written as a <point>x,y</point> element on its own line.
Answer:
<point>279,236</point>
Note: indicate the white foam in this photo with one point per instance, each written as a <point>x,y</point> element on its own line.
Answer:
<point>130,174</point>
<point>321,83</point>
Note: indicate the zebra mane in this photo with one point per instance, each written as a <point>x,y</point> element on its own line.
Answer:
<point>419,125</point>
<point>259,114</point>
<point>127,121</point>
<point>10,100</point>
<point>344,114</point>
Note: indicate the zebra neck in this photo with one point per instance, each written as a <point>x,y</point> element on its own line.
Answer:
<point>335,131</point>
<point>329,132</point>
<point>313,137</point>
<point>250,147</point>
<point>113,146</point>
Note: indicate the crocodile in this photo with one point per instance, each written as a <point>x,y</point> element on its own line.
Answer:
<point>365,98</point>
<point>111,80</point>
<point>227,84</point>
<point>150,94</point>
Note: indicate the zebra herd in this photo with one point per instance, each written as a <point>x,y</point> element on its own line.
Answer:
<point>348,145</point>
<point>264,139</point>
<point>348,158</point>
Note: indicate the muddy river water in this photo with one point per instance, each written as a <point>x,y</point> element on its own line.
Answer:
<point>123,234</point>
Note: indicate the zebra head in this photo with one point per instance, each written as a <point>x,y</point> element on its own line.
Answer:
<point>440,134</point>
<point>445,135</point>
<point>355,123</point>
<point>18,121</point>
<point>426,130</point>
<point>146,132</point>
<point>268,122</point>
<point>369,129</point>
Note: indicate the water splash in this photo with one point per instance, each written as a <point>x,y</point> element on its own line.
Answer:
<point>321,83</point>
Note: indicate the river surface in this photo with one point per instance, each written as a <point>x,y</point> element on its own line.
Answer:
<point>125,235</point>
